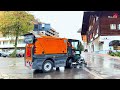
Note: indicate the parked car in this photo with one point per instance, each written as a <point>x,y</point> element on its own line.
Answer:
<point>0,53</point>
<point>20,53</point>
<point>5,54</point>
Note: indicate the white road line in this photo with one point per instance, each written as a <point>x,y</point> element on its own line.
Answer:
<point>94,74</point>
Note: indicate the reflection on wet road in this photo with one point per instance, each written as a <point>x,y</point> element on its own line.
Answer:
<point>66,74</point>
<point>106,67</point>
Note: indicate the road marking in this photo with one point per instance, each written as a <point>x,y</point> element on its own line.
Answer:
<point>93,73</point>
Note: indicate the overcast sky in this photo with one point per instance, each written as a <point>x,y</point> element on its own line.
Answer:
<point>67,23</point>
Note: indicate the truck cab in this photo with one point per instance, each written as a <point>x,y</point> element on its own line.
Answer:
<point>74,54</point>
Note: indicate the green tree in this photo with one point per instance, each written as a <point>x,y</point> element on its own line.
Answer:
<point>15,24</point>
<point>80,47</point>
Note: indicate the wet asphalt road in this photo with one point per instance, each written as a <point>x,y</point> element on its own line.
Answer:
<point>14,69</point>
<point>66,74</point>
<point>102,66</point>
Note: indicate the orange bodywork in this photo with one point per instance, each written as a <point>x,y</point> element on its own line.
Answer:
<point>50,45</point>
<point>46,45</point>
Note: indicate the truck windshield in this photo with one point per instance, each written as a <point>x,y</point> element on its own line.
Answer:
<point>29,39</point>
<point>77,52</point>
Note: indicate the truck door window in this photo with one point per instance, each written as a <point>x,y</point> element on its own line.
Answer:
<point>75,44</point>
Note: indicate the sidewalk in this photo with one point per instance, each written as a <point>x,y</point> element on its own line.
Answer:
<point>104,55</point>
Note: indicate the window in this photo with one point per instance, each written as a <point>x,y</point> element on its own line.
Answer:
<point>97,31</point>
<point>5,42</point>
<point>20,41</point>
<point>118,26</point>
<point>11,42</point>
<point>43,25</point>
<point>93,34</point>
<point>90,36</point>
<point>112,26</point>
<point>93,21</point>
<point>47,26</point>
<point>40,26</point>
<point>35,27</point>
<point>75,44</point>
<point>96,18</point>
<point>90,27</point>
<point>110,17</point>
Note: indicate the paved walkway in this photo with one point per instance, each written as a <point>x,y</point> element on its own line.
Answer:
<point>104,55</point>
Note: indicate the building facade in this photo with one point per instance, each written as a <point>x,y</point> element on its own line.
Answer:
<point>43,29</point>
<point>100,29</point>
<point>7,44</point>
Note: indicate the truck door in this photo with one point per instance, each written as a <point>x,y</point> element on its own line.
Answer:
<point>74,49</point>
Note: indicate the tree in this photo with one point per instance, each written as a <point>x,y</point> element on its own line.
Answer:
<point>15,24</point>
<point>80,47</point>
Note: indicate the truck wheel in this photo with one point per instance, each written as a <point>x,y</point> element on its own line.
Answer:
<point>68,63</point>
<point>37,71</point>
<point>57,69</point>
<point>47,66</point>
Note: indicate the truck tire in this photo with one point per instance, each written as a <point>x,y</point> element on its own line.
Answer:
<point>47,66</point>
<point>69,64</point>
<point>37,71</point>
<point>57,69</point>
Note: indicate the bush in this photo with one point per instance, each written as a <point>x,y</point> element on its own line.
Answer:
<point>118,54</point>
<point>114,53</point>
